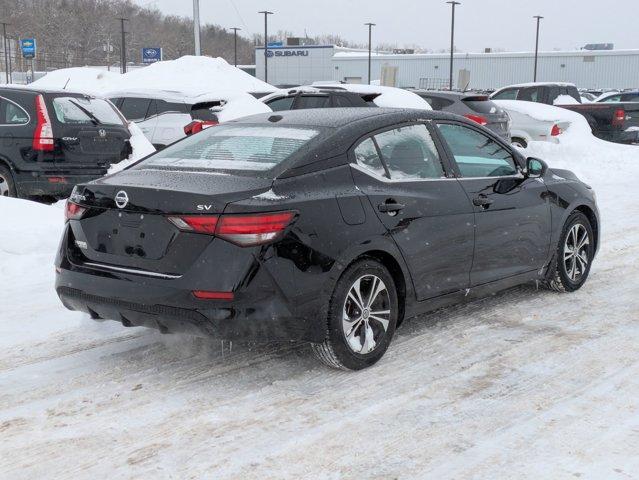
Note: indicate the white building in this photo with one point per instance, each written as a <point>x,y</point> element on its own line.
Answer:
<point>589,69</point>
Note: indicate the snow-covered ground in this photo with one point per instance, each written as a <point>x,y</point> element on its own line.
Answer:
<point>525,384</point>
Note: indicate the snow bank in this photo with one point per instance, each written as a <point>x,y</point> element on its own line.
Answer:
<point>187,73</point>
<point>141,148</point>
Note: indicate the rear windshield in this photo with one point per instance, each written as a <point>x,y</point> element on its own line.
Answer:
<point>481,106</point>
<point>85,111</point>
<point>234,148</point>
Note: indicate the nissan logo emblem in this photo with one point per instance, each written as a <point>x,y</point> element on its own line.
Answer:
<point>121,199</point>
<point>102,133</point>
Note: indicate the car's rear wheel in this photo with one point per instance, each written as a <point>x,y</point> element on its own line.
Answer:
<point>7,186</point>
<point>574,255</point>
<point>362,317</point>
<point>519,142</point>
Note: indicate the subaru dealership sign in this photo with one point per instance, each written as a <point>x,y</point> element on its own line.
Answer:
<point>151,54</point>
<point>286,53</point>
<point>28,47</point>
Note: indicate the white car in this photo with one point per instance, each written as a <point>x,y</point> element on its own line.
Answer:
<point>165,116</point>
<point>531,121</point>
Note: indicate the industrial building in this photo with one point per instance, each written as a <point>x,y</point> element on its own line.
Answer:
<point>585,68</point>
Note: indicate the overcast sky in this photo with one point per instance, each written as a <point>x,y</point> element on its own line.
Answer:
<point>507,24</point>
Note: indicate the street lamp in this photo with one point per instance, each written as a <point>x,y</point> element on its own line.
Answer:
<point>538,17</point>
<point>266,14</point>
<point>370,29</point>
<point>196,27</point>
<point>123,45</point>
<point>452,41</point>
<point>235,29</point>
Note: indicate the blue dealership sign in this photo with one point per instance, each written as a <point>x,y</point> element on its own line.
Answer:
<point>28,47</point>
<point>151,54</point>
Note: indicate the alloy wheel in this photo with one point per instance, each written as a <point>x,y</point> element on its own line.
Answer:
<point>4,187</point>
<point>576,252</point>
<point>366,314</point>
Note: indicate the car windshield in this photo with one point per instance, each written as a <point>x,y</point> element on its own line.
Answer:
<point>85,111</point>
<point>234,148</point>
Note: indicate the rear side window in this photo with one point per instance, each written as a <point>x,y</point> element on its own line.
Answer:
<point>631,97</point>
<point>171,107</point>
<point>366,156</point>
<point>476,154</point>
<point>342,101</point>
<point>134,109</point>
<point>234,148</point>
<point>612,98</point>
<point>410,153</point>
<point>85,111</point>
<point>312,101</point>
<point>508,94</point>
<point>12,114</point>
<point>279,104</point>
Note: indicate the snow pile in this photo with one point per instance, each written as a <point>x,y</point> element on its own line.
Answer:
<point>141,148</point>
<point>565,100</point>
<point>187,73</point>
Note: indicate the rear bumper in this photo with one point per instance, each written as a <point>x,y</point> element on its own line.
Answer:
<point>258,313</point>
<point>52,183</point>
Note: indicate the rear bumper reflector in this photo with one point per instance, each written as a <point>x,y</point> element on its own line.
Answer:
<point>207,295</point>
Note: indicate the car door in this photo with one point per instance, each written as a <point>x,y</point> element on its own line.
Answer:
<point>512,212</point>
<point>424,209</point>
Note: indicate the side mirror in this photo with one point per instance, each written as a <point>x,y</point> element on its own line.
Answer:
<point>535,167</point>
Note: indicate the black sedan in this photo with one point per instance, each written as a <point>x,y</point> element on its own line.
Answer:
<point>330,226</point>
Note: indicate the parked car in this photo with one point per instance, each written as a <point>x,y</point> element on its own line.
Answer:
<point>329,226</point>
<point>336,95</point>
<point>615,97</point>
<point>476,107</point>
<point>616,122</point>
<point>52,140</point>
<point>525,127</point>
<point>167,116</point>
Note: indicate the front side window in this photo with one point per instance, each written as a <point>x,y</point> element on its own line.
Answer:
<point>279,104</point>
<point>85,111</point>
<point>232,148</point>
<point>530,94</point>
<point>508,94</point>
<point>476,154</point>
<point>366,156</point>
<point>12,114</point>
<point>410,153</point>
<point>612,99</point>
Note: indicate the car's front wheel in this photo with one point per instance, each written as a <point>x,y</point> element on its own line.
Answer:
<point>575,252</point>
<point>362,317</point>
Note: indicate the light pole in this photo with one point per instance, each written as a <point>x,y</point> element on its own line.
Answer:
<point>123,45</point>
<point>196,27</point>
<point>452,41</point>
<point>538,17</point>
<point>235,29</point>
<point>370,36</point>
<point>266,14</point>
<point>4,49</point>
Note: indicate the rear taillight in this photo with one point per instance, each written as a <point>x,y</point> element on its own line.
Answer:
<point>476,118</point>
<point>197,126</point>
<point>619,118</point>
<point>243,230</point>
<point>43,134</point>
<point>73,211</point>
<point>556,130</point>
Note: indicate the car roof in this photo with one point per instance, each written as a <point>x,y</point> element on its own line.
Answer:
<point>35,90</point>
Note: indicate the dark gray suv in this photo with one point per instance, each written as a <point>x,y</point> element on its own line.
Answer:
<point>475,107</point>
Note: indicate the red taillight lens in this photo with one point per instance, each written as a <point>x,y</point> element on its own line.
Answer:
<point>242,230</point>
<point>196,223</point>
<point>197,126</point>
<point>207,295</point>
<point>43,134</point>
<point>555,130</point>
<point>249,230</point>
<point>476,118</point>
<point>73,211</point>
<point>619,117</point>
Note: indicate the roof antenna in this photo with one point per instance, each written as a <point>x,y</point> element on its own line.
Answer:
<point>67,83</point>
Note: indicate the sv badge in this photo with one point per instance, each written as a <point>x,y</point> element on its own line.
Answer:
<point>205,208</point>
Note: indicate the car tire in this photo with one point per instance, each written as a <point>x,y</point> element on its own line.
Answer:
<point>7,185</point>
<point>519,142</point>
<point>573,258</point>
<point>359,330</point>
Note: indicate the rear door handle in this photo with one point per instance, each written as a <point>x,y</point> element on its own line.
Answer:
<point>390,207</point>
<point>482,201</point>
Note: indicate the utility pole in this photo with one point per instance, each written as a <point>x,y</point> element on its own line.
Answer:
<point>123,45</point>
<point>4,49</point>
<point>266,14</point>
<point>452,41</point>
<point>538,17</point>
<point>370,36</point>
<point>235,29</point>
<point>196,27</point>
